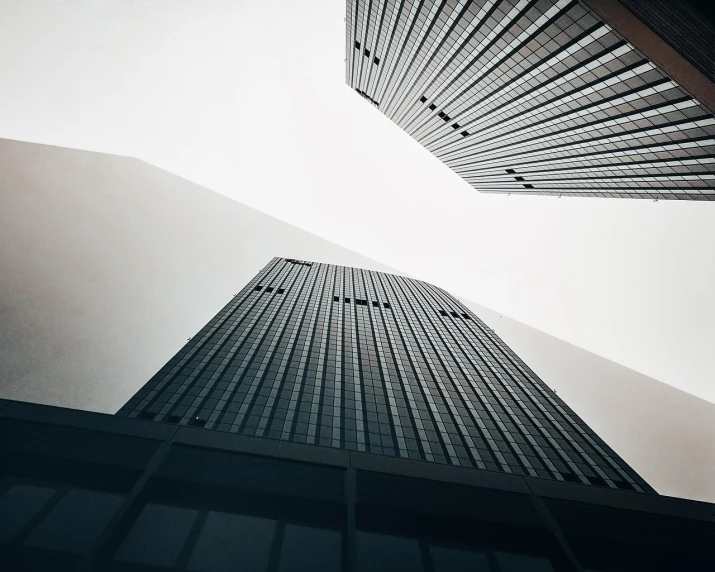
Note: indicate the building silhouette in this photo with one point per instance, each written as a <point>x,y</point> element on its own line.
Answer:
<point>549,97</point>
<point>334,419</point>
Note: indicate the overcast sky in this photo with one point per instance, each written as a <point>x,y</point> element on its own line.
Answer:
<point>249,99</point>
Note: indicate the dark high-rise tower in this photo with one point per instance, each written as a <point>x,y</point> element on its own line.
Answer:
<point>546,97</point>
<point>337,420</point>
<point>367,361</point>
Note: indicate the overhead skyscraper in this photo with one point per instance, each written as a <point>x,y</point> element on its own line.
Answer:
<point>544,97</point>
<point>367,361</point>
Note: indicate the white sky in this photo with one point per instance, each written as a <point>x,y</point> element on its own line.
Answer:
<point>248,98</point>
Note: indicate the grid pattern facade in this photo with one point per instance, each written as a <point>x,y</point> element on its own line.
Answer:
<point>531,97</point>
<point>366,361</point>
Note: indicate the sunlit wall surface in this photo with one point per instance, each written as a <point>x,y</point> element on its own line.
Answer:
<point>367,361</point>
<point>535,97</point>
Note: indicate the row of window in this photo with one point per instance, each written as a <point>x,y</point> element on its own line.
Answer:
<point>454,314</point>
<point>298,262</point>
<point>65,523</point>
<point>366,53</point>
<point>366,96</point>
<point>269,289</point>
<point>446,118</point>
<point>362,302</point>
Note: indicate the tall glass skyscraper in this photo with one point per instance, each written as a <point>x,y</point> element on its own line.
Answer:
<point>541,97</point>
<point>334,419</point>
<point>367,361</point>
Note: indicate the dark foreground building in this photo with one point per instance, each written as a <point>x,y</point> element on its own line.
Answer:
<point>554,97</point>
<point>331,418</point>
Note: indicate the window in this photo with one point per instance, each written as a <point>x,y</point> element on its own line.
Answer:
<point>432,107</point>
<point>455,125</point>
<point>465,133</point>
<point>380,552</point>
<point>158,535</point>
<point>454,314</point>
<point>371,100</point>
<point>19,505</point>
<point>454,560</point>
<point>269,289</point>
<point>519,178</point>
<point>623,485</point>
<point>443,313</point>
<point>258,288</point>
<point>336,298</point>
<point>233,542</point>
<point>347,300</point>
<point>306,549</point>
<point>173,419</point>
<point>376,61</point>
<point>366,52</point>
<point>423,99</point>
<point>386,304</point>
<point>375,304</point>
<point>357,44</point>
<point>528,186</point>
<point>298,262</point>
<point>466,316</point>
<point>75,522</point>
<point>441,114</point>
<point>518,562</point>
<point>446,117</point>
<point>510,171</point>
<point>281,290</point>
<point>197,422</point>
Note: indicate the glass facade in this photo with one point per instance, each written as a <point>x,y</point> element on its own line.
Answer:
<point>86,491</point>
<point>367,361</point>
<point>531,97</point>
